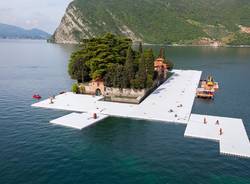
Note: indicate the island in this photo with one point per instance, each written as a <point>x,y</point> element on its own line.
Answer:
<point>109,66</point>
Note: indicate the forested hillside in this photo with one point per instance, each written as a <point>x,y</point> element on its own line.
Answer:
<point>158,21</point>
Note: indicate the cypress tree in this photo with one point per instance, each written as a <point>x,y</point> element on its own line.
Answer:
<point>140,48</point>
<point>162,53</point>
<point>149,61</point>
<point>142,74</point>
<point>129,66</point>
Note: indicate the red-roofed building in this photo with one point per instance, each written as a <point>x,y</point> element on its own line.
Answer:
<point>161,67</point>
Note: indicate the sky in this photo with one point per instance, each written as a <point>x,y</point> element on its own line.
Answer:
<point>42,14</point>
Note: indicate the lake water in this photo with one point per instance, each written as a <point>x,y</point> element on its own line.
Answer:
<point>115,150</point>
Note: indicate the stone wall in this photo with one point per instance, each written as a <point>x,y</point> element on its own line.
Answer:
<point>124,92</point>
<point>125,95</point>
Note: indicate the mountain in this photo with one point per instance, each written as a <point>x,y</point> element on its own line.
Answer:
<point>198,22</point>
<point>14,32</point>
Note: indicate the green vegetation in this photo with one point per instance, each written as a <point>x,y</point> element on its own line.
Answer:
<point>166,21</point>
<point>75,88</point>
<point>241,39</point>
<point>112,58</point>
<point>96,56</point>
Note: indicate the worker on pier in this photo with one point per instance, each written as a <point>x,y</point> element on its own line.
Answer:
<point>221,132</point>
<point>205,120</point>
<point>217,122</point>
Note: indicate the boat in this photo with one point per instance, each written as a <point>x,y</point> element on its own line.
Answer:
<point>203,93</point>
<point>210,84</point>
<point>36,96</point>
<point>207,88</point>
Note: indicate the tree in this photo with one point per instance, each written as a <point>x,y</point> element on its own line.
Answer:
<point>140,49</point>
<point>97,53</point>
<point>142,74</point>
<point>149,61</point>
<point>109,76</point>
<point>162,53</point>
<point>119,80</point>
<point>150,81</point>
<point>75,88</point>
<point>129,66</point>
<point>78,69</point>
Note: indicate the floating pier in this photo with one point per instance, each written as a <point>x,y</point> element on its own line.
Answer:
<point>78,120</point>
<point>171,102</point>
<point>232,141</point>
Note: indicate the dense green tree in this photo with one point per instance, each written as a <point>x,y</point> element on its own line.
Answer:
<point>97,53</point>
<point>120,79</point>
<point>112,58</point>
<point>109,76</point>
<point>149,61</point>
<point>162,53</point>
<point>129,66</point>
<point>78,69</point>
<point>150,81</point>
<point>140,48</point>
<point>142,74</point>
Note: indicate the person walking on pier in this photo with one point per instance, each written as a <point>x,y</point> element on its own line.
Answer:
<point>217,122</point>
<point>221,132</point>
<point>205,120</point>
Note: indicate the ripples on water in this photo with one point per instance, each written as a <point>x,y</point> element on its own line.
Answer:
<point>115,150</point>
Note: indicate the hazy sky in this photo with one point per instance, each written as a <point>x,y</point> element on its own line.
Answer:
<point>43,14</point>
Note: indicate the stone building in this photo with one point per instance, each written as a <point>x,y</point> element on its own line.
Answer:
<point>95,87</point>
<point>161,67</point>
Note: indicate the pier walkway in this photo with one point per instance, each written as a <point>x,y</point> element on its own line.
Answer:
<point>78,121</point>
<point>172,102</point>
<point>234,139</point>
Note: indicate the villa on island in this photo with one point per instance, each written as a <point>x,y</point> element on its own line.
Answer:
<point>161,66</point>
<point>110,67</point>
<point>127,95</point>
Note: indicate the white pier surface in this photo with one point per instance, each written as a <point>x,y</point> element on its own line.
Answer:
<point>233,141</point>
<point>176,94</point>
<point>78,121</point>
<point>170,102</point>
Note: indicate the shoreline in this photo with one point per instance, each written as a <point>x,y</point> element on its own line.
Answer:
<point>134,44</point>
<point>168,45</point>
<point>189,45</point>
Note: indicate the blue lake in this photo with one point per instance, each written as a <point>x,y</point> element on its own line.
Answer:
<point>115,150</point>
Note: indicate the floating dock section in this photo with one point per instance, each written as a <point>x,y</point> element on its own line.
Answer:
<point>233,140</point>
<point>171,102</point>
<point>78,120</point>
